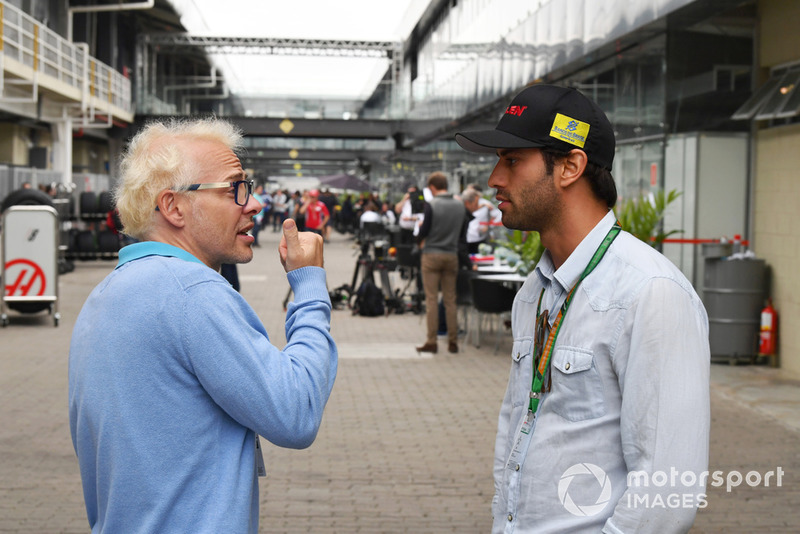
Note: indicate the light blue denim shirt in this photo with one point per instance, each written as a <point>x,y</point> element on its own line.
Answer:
<point>629,399</point>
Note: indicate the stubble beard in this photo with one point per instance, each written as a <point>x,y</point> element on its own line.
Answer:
<point>218,245</point>
<point>535,208</point>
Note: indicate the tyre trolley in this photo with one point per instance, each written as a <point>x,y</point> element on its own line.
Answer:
<point>29,261</point>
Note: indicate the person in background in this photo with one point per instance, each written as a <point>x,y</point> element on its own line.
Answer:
<point>369,214</point>
<point>315,212</point>
<point>387,214</point>
<point>442,227</point>
<point>609,373</point>
<point>279,209</point>
<point>495,215</point>
<point>478,228</point>
<point>331,202</point>
<point>347,215</point>
<point>293,210</point>
<point>166,402</point>
<point>230,272</point>
<point>259,219</point>
<point>410,210</point>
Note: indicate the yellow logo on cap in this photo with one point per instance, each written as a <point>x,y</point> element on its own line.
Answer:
<point>569,130</point>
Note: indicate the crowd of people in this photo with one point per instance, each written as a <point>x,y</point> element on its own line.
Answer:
<point>470,219</point>
<point>320,211</point>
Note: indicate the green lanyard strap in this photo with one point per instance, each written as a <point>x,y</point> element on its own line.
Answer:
<point>543,351</point>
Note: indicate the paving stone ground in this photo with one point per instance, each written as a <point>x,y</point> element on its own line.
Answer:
<point>406,442</point>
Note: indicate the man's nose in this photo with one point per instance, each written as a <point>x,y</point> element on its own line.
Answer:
<point>253,205</point>
<point>496,179</point>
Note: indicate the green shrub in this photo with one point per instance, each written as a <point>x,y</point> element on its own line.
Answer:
<point>643,216</point>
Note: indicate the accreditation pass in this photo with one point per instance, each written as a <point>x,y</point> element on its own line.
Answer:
<point>521,441</point>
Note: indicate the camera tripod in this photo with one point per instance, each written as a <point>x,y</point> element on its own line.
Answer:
<point>367,264</point>
<point>408,261</point>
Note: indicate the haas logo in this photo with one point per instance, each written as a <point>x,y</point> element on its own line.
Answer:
<point>26,279</point>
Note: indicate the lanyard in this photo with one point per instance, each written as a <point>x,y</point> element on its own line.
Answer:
<point>545,350</point>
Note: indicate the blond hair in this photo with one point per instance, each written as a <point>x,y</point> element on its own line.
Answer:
<point>156,159</point>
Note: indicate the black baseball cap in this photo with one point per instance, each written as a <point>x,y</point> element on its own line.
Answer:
<point>550,116</point>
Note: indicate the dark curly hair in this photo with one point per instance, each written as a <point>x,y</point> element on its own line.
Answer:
<point>600,179</point>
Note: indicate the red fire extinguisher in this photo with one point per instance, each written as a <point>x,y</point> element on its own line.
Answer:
<point>769,320</point>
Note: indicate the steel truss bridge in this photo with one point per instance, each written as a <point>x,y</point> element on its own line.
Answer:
<point>151,48</point>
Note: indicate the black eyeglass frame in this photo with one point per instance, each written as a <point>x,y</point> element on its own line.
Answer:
<point>249,185</point>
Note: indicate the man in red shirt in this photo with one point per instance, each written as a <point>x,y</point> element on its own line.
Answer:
<point>317,214</point>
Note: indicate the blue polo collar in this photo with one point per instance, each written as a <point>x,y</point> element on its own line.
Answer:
<point>153,248</point>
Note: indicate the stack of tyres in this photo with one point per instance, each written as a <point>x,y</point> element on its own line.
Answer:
<point>105,203</point>
<point>95,206</point>
<point>85,245</point>
<point>92,243</point>
<point>107,244</point>
<point>72,244</point>
<point>26,197</point>
<point>89,209</point>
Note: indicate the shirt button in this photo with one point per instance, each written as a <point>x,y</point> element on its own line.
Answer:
<point>567,366</point>
<point>517,468</point>
<point>510,517</point>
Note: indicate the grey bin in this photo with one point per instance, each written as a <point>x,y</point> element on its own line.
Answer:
<point>734,292</point>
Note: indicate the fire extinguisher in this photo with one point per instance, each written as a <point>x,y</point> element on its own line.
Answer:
<point>769,320</point>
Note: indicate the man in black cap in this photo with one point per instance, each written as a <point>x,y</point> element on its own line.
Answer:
<point>605,421</point>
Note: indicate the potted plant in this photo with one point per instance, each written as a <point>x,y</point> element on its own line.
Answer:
<point>643,216</point>
<point>521,250</point>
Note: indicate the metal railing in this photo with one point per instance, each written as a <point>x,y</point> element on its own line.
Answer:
<point>39,57</point>
<point>13,178</point>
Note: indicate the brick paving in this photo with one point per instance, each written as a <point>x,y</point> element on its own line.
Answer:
<point>406,442</point>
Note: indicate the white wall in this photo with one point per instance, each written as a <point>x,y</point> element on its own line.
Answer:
<point>711,170</point>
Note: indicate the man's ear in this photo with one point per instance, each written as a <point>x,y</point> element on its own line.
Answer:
<point>572,167</point>
<point>172,208</point>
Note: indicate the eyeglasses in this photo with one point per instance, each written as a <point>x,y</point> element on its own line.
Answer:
<point>242,189</point>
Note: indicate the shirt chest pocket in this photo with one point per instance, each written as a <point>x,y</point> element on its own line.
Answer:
<point>577,389</point>
<point>521,371</point>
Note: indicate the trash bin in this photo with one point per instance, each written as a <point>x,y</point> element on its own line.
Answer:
<point>733,294</point>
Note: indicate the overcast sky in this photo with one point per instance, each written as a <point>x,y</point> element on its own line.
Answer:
<point>379,20</point>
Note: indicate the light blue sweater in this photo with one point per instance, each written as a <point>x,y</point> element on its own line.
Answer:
<point>172,375</point>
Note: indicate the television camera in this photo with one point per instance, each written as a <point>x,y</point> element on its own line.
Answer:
<point>376,254</point>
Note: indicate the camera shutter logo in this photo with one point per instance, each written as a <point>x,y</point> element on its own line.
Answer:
<point>603,490</point>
